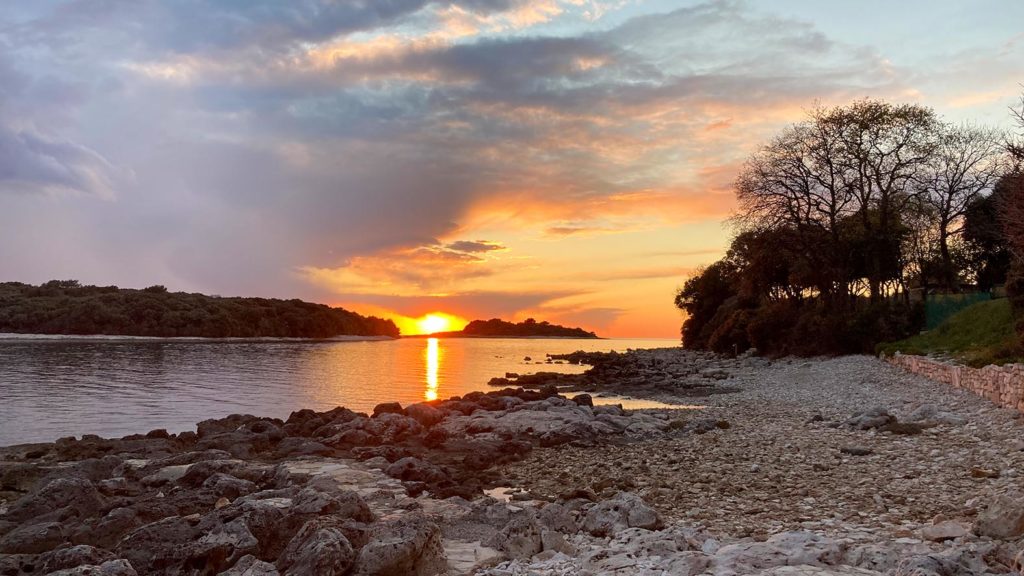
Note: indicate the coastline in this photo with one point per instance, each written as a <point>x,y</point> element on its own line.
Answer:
<point>18,337</point>
<point>828,463</point>
<point>447,335</point>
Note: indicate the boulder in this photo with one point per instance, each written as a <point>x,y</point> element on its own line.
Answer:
<point>820,571</point>
<point>337,502</point>
<point>584,400</point>
<point>290,447</point>
<point>251,566</point>
<point>72,496</point>
<point>405,546</point>
<point>945,531</point>
<point>873,418</point>
<point>318,548</point>
<point>111,568</point>
<point>32,538</point>
<point>625,510</point>
<point>387,408</point>
<point>520,538</point>
<point>425,414</point>
<point>783,549</point>
<point>558,518</point>
<point>107,531</point>
<point>227,486</point>
<point>1003,518</point>
<point>158,547</point>
<point>414,469</point>
<point>572,432</point>
<point>81,555</point>
<point>931,414</point>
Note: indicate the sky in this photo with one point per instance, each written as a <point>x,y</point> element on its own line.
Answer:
<point>566,160</point>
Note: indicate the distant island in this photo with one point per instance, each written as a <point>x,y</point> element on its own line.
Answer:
<point>67,307</point>
<point>530,328</point>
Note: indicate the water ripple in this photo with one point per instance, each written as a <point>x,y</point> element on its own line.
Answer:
<point>55,387</point>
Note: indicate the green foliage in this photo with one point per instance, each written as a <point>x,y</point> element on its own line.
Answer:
<point>987,255</point>
<point>940,307</point>
<point>765,294</point>
<point>701,297</point>
<point>498,328</point>
<point>66,307</point>
<point>1015,293</point>
<point>978,335</point>
<point>841,218</point>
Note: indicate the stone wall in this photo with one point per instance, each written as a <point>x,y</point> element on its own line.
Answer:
<point>1003,385</point>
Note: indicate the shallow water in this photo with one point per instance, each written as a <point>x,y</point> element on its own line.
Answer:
<point>57,387</point>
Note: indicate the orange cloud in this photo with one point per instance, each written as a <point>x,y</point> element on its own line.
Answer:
<point>431,269</point>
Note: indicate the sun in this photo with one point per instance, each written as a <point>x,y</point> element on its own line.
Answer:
<point>432,323</point>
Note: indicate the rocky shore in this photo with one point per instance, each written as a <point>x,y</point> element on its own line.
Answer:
<point>838,466</point>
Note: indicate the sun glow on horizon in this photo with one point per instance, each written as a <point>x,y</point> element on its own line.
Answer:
<point>432,323</point>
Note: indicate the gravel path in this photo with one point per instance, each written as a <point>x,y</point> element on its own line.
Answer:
<point>780,464</point>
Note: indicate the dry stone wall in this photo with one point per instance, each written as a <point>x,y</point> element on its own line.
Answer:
<point>1003,385</point>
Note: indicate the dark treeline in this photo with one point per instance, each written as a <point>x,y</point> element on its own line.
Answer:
<point>529,327</point>
<point>845,220</point>
<point>66,307</point>
<point>495,328</point>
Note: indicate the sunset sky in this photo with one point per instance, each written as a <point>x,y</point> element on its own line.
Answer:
<point>569,160</point>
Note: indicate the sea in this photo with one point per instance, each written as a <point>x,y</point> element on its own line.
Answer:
<point>58,386</point>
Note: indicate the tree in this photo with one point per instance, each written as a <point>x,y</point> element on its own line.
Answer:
<point>880,152</point>
<point>1012,214</point>
<point>987,255</point>
<point>795,183</point>
<point>966,163</point>
<point>863,159</point>
<point>701,297</point>
<point>1013,202</point>
<point>1016,148</point>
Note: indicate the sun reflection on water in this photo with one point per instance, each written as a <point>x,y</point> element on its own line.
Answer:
<point>433,358</point>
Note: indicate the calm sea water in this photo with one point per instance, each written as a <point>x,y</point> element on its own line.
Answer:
<point>51,388</point>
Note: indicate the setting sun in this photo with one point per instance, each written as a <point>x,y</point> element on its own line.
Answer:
<point>437,322</point>
<point>433,323</point>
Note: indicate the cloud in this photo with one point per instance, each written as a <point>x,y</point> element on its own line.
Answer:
<point>679,272</point>
<point>429,269</point>
<point>33,164</point>
<point>473,246</point>
<point>579,229</point>
<point>471,305</point>
<point>314,148</point>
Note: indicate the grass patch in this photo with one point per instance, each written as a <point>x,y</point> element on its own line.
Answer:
<point>978,335</point>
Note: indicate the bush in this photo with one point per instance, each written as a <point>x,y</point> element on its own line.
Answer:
<point>730,335</point>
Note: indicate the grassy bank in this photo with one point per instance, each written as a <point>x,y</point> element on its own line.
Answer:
<point>977,335</point>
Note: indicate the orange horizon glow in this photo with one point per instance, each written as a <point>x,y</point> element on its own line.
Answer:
<point>430,323</point>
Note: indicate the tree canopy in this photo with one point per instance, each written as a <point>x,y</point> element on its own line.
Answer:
<point>842,216</point>
<point>67,307</point>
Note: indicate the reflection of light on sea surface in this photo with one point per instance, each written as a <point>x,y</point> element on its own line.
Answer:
<point>433,356</point>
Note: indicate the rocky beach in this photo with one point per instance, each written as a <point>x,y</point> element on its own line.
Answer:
<point>844,466</point>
